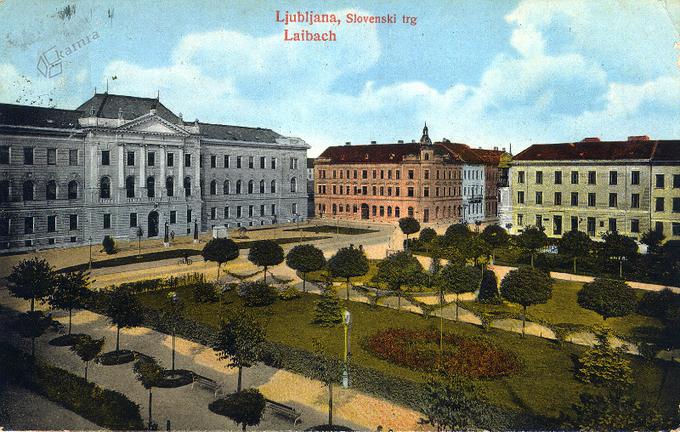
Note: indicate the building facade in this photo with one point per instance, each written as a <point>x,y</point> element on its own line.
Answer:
<point>597,187</point>
<point>310,188</point>
<point>127,166</point>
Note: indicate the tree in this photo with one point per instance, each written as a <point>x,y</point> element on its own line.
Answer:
<point>31,280</point>
<point>603,365</point>
<point>488,289</point>
<point>653,240</point>
<point>220,250</point>
<point>265,253</point>
<point>608,297</point>
<point>348,262</point>
<point>474,248</point>
<point>245,407</point>
<point>526,287</point>
<point>69,293</point>
<point>109,245</point>
<point>458,279</point>
<point>531,240</point>
<point>575,244</point>
<point>408,226</point>
<point>456,233</point>
<point>305,258</point>
<point>240,341</point>
<point>398,270</point>
<point>327,312</point>
<point>454,403</point>
<point>427,235</point>
<point>258,293</point>
<point>327,369</point>
<point>495,236</point>
<point>123,310</point>
<point>150,374</point>
<point>619,247</point>
<point>31,325</point>
<point>87,349</point>
<point>614,412</point>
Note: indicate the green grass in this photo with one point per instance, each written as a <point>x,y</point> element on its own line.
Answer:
<point>317,276</point>
<point>562,308</point>
<point>546,385</point>
<point>332,229</point>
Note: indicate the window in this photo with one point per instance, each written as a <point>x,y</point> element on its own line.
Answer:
<point>130,158</point>
<point>591,199</point>
<point>558,198</point>
<point>658,227</point>
<point>613,178</point>
<point>28,155</point>
<point>520,197</point>
<point>590,228</point>
<point>410,212</point>
<point>558,177</point>
<point>107,221</point>
<point>426,191</point>
<point>520,219</point>
<point>409,192</point>
<point>635,225</point>
<point>72,190</point>
<point>170,186</point>
<point>397,176</point>
<point>213,212</point>
<point>251,186</point>
<point>226,187</point>
<point>293,185</point>
<point>635,200</point>
<point>520,177</point>
<point>262,211</point>
<point>613,200</point>
<point>200,161</point>
<point>213,187</point>
<point>239,212</point>
<point>272,187</point>
<point>397,190</point>
<point>187,186</point>
<point>539,221</point>
<point>28,190</point>
<point>660,181</point>
<point>261,186</point>
<point>250,162</point>
<point>150,187</point>
<point>574,223</point>
<point>170,157</point>
<point>189,215</point>
<point>73,157</point>
<point>539,198</point>
<point>213,161</point>
<point>4,155</point>
<point>51,156</point>
<point>612,225</point>
<point>274,209</point>
<point>28,225</point>
<point>239,161</point>
<point>51,190</point>
<point>130,187</point>
<point>659,204</point>
<point>676,228</point>
<point>539,177</point>
<point>187,160</point>
<point>574,198</point>
<point>4,191</point>
<point>592,177</point>
<point>676,181</point>
<point>294,164</point>
<point>557,225</point>
<point>133,220</point>
<point>635,177</point>
<point>106,157</point>
<point>239,184</point>
<point>676,205</point>
<point>410,174</point>
<point>294,209</point>
<point>263,162</point>
<point>226,212</point>
<point>250,211</point>
<point>426,174</point>
<point>72,222</point>
<point>51,223</point>
<point>273,163</point>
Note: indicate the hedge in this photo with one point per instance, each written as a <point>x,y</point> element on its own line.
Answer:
<point>106,408</point>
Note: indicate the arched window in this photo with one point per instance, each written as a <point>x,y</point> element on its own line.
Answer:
<point>226,188</point>
<point>272,187</point>
<point>251,185</point>
<point>410,212</point>
<point>238,186</point>
<point>347,208</point>
<point>187,186</point>
<point>28,190</point>
<point>51,190</point>
<point>396,212</point>
<point>170,186</point>
<point>261,186</point>
<point>130,186</point>
<point>105,188</point>
<point>4,191</point>
<point>150,187</point>
<point>335,208</point>
<point>72,190</point>
<point>213,187</point>
<point>293,185</point>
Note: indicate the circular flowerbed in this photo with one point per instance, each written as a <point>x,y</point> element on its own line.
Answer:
<point>176,378</point>
<point>419,350</point>
<point>66,340</point>
<point>116,357</point>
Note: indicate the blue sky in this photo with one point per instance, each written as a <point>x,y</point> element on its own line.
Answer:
<point>487,73</point>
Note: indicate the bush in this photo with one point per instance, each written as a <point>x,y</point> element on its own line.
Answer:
<point>488,291</point>
<point>108,409</point>
<point>204,292</point>
<point>655,304</point>
<point>109,245</point>
<point>255,294</point>
<point>289,293</point>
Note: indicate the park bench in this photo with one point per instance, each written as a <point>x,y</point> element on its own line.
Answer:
<point>207,383</point>
<point>284,411</point>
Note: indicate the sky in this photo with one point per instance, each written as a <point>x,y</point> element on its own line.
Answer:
<point>489,73</point>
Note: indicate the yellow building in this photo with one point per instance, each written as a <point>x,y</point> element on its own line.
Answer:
<point>598,186</point>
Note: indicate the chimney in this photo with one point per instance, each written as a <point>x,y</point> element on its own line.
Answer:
<point>591,139</point>
<point>503,148</point>
<point>373,142</point>
<point>495,148</point>
<point>413,141</point>
<point>348,143</point>
<point>638,138</point>
<point>400,142</point>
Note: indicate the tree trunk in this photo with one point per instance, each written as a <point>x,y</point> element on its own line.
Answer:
<point>240,378</point>
<point>621,269</point>
<point>32,304</point>
<point>532,260</point>
<point>150,401</point>
<point>348,288</point>
<point>218,270</point>
<point>69,321</point>
<point>574,265</point>
<point>117,338</point>
<point>524,318</point>
<point>330,403</point>
<point>398,299</point>
<point>173,350</point>
<point>304,282</point>
<point>457,305</point>
<point>86,362</point>
<point>265,274</point>
<point>243,427</point>
<point>441,324</point>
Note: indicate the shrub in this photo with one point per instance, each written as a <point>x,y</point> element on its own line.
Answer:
<point>655,304</point>
<point>204,292</point>
<point>488,291</point>
<point>427,235</point>
<point>255,294</point>
<point>327,312</point>
<point>245,408</point>
<point>289,293</point>
<point>109,245</point>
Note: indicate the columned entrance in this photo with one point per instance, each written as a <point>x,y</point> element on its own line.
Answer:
<point>364,211</point>
<point>152,230</point>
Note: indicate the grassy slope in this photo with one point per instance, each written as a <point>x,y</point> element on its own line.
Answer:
<point>545,387</point>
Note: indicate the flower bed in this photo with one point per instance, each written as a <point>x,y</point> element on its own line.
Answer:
<point>419,349</point>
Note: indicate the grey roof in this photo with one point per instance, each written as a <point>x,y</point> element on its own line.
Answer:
<point>26,115</point>
<point>108,105</point>
<point>237,133</point>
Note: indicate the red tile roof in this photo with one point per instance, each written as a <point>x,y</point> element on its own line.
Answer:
<point>373,153</point>
<point>461,152</point>
<point>596,150</point>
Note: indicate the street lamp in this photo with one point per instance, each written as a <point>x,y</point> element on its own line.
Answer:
<point>174,301</point>
<point>90,244</point>
<point>166,238</point>
<point>346,324</point>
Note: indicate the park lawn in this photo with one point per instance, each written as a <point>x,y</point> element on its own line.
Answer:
<point>372,271</point>
<point>332,229</point>
<point>562,308</point>
<point>545,387</point>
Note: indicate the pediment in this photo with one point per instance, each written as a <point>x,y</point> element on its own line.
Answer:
<point>153,124</point>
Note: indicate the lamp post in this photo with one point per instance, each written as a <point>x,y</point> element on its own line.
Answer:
<point>346,324</point>
<point>195,231</point>
<point>139,240</point>
<point>174,301</point>
<point>90,244</point>
<point>166,239</point>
